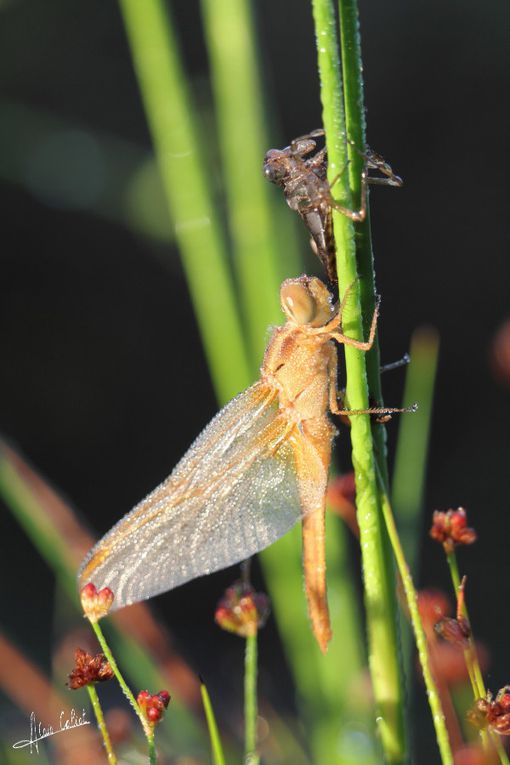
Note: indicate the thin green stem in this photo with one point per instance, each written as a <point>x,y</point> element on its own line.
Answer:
<point>153,757</point>
<point>419,633</point>
<point>116,671</point>
<point>500,749</point>
<point>472,662</point>
<point>250,701</point>
<point>175,134</point>
<point>214,736</point>
<point>98,712</point>
<point>473,665</point>
<point>379,582</point>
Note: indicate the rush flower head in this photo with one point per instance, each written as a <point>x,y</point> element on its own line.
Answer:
<point>89,669</point>
<point>242,610</point>
<point>451,529</point>
<point>492,713</point>
<point>454,631</point>
<point>153,706</point>
<point>95,604</point>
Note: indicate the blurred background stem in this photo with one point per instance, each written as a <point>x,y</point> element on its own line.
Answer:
<point>172,122</point>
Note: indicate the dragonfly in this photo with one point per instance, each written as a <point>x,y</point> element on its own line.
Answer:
<point>301,171</point>
<point>259,467</point>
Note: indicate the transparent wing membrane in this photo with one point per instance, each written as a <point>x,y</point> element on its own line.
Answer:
<point>233,493</point>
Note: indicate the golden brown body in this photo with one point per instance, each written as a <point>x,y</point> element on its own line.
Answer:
<point>258,467</point>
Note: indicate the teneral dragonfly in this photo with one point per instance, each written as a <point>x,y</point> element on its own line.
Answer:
<point>301,171</point>
<point>260,466</point>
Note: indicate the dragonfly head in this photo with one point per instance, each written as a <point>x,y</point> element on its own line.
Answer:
<point>306,301</point>
<point>276,165</point>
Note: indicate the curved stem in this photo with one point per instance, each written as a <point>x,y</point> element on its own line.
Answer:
<point>116,671</point>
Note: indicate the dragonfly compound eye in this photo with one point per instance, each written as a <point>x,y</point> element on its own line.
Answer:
<point>297,302</point>
<point>275,166</point>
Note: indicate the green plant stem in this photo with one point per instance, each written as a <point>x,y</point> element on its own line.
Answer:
<point>250,701</point>
<point>116,671</point>
<point>175,134</point>
<point>473,666</point>
<point>214,736</point>
<point>419,633</point>
<point>379,582</point>
<point>470,654</point>
<point>500,749</point>
<point>96,706</point>
<point>153,757</point>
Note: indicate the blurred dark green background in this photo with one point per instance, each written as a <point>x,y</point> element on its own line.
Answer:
<point>103,384</point>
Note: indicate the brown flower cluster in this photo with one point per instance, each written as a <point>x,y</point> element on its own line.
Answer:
<point>89,669</point>
<point>454,631</point>
<point>242,610</point>
<point>451,529</point>
<point>493,713</point>
<point>153,706</point>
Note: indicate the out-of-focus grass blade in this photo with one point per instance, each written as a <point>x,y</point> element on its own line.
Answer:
<point>173,125</point>
<point>216,746</point>
<point>413,437</point>
<point>55,533</point>
<point>69,164</point>
<point>232,45</point>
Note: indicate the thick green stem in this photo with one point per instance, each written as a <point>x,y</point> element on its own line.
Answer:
<point>250,701</point>
<point>378,573</point>
<point>98,712</point>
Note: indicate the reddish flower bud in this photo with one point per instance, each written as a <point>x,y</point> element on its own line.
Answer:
<point>451,529</point>
<point>153,706</point>
<point>242,610</point>
<point>89,669</point>
<point>454,631</point>
<point>492,713</point>
<point>95,604</point>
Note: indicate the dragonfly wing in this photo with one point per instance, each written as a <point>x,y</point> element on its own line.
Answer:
<point>233,493</point>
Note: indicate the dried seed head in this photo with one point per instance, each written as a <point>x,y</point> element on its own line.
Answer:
<point>96,604</point>
<point>242,610</point>
<point>451,529</point>
<point>89,669</point>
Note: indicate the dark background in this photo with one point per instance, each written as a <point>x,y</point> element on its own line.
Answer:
<point>103,384</point>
